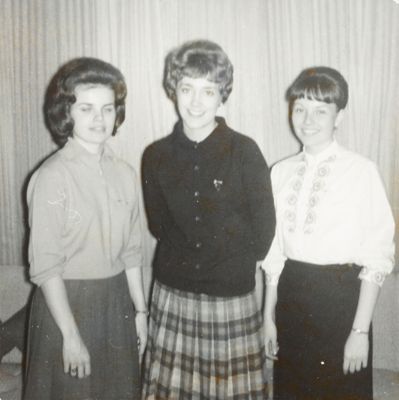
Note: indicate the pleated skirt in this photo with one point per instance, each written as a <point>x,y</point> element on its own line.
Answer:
<point>204,347</point>
<point>314,316</point>
<point>105,317</point>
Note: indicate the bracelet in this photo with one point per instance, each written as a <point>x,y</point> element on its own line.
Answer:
<point>143,312</point>
<point>359,331</point>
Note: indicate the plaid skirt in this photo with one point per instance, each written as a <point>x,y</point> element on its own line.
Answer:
<point>314,316</point>
<point>104,313</point>
<point>204,347</point>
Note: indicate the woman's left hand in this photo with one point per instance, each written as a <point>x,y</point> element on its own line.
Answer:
<point>142,331</point>
<point>356,352</point>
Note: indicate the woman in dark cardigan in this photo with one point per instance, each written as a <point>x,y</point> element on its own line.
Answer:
<point>209,204</point>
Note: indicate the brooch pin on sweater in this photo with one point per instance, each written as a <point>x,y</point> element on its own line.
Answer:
<point>218,184</point>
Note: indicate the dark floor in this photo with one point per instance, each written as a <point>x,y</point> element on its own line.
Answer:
<point>386,384</point>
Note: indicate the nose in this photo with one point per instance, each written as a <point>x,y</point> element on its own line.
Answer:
<point>98,115</point>
<point>308,118</point>
<point>196,98</point>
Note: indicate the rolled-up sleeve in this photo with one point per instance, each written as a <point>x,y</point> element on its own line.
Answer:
<point>48,204</point>
<point>132,254</point>
<point>377,246</point>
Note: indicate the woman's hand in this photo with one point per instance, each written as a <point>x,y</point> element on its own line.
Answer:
<point>356,352</point>
<point>142,331</point>
<point>76,357</point>
<point>271,340</point>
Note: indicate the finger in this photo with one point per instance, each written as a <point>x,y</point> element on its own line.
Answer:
<point>271,351</point>
<point>73,370</point>
<point>352,366</point>
<point>66,366</point>
<point>87,368</point>
<point>81,371</point>
<point>346,365</point>
<point>364,362</point>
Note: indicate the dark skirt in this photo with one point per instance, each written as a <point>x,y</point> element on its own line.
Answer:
<point>105,317</point>
<point>314,316</point>
<point>204,347</point>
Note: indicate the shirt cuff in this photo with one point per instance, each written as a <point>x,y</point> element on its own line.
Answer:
<point>371,275</point>
<point>272,280</point>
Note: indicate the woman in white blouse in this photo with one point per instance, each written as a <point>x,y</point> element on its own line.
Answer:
<point>332,250</point>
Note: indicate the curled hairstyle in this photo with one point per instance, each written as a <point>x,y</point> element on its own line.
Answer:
<point>198,59</point>
<point>60,94</point>
<point>321,84</point>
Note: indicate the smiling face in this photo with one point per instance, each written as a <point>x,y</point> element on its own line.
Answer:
<point>94,115</point>
<point>198,100</point>
<point>314,123</point>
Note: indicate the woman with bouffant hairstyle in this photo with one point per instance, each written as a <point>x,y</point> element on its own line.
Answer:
<point>85,335</point>
<point>61,94</point>
<point>209,204</point>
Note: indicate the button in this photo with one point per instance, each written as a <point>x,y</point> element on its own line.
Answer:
<point>195,145</point>
<point>197,266</point>
<point>196,168</point>
<point>198,245</point>
<point>196,194</point>
<point>197,218</point>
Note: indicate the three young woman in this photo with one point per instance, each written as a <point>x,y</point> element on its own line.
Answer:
<point>334,226</point>
<point>209,204</point>
<point>85,248</point>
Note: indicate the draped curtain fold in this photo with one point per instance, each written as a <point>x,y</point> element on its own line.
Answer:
<point>268,41</point>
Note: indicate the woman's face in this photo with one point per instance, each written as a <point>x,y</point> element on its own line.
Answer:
<point>198,100</point>
<point>314,123</point>
<point>94,115</point>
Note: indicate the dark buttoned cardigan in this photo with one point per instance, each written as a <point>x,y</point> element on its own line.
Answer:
<point>210,206</point>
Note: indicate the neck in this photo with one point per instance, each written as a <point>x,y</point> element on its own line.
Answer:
<point>200,134</point>
<point>314,150</point>
<point>92,148</point>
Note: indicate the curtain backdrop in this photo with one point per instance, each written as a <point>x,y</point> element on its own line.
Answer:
<point>269,43</point>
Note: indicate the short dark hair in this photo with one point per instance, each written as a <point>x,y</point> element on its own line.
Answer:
<point>319,83</point>
<point>60,94</point>
<point>198,59</point>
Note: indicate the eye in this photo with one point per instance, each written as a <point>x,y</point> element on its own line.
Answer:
<point>321,111</point>
<point>210,92</point>
<point>297,110</point>
<point>109,109</point>
<point>85,108</point>
<point>184,89</point>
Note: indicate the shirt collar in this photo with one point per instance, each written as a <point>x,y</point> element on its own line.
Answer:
<point>328,153</point>
<point>215,138</point>
<point>73,150</point>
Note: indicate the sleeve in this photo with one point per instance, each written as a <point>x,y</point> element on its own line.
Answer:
<point>132,254</point>
<point>47,202</point>
<point>257,186</point>
<point>377,247</point>
<point>160,221</point>
<point>275,259</point>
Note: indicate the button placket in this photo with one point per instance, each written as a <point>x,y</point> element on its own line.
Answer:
<point>196,202</point>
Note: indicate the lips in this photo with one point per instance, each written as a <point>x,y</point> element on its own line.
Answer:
<point>196,114</point>
<point>99,129</point>
<point>309,132</point>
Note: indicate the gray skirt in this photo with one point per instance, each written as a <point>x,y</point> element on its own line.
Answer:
<point>105,317</point>
<point>204,347</point>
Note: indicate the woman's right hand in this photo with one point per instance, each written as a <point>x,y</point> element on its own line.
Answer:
<point>76,357</point>
<point>271,340</point>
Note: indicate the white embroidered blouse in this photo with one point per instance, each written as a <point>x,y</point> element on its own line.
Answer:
<point>331,209</point>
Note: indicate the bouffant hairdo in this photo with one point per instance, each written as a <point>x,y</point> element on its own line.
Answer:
<point>60,94</point>
<point>198,59</point>
<point>319,83</point>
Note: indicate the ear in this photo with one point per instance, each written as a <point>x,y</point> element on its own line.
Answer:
<point>339,117</point>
